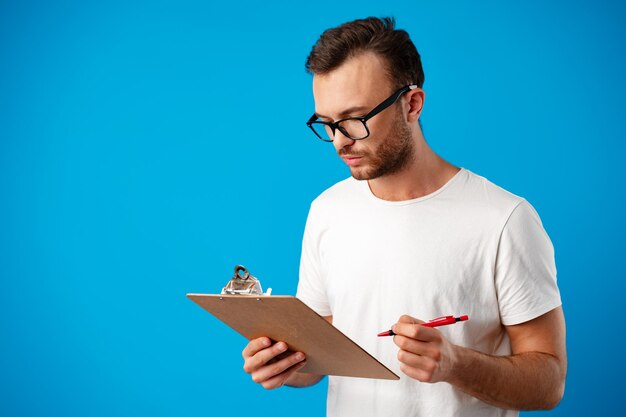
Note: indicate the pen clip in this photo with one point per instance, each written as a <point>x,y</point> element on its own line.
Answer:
<point>441,319</point>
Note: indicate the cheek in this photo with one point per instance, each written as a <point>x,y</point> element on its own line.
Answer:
<point>372,147</point>
<point>379,134</point>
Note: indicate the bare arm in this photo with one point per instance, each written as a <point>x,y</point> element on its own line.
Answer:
<point>300,380</point>
<point>268,366</point>
<point>532,377</point>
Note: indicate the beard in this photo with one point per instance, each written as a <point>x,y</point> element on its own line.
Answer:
<point>392,155</point>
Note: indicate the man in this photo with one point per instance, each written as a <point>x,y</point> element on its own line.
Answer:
<point>411,237</point>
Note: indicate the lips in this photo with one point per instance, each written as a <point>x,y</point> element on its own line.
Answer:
<point>351,160</point>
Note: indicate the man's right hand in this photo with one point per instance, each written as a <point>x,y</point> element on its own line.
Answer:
<point>263,362</point>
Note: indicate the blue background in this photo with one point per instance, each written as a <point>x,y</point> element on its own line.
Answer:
<point>148,147</point>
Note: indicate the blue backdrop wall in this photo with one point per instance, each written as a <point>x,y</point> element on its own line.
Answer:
<point>148,147</point>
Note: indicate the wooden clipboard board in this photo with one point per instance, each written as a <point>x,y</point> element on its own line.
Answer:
<point>285,318</point>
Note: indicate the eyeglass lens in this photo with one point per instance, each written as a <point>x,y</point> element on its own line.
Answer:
<point>353,128</point>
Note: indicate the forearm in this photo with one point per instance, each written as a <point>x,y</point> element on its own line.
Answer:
<point>301,380</point>
<point>526,381</point>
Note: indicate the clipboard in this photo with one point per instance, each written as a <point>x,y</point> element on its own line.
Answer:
<point>285,318</point>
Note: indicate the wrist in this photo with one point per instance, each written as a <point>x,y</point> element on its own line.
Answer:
<point>457,364</point>
<point>301,380</point>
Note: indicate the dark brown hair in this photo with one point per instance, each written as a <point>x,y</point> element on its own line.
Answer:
<point>373,34</point>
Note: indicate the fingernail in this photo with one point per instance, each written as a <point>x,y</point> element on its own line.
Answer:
<point>299,356</point>
<point>281,346</point>
<point>266,342</point>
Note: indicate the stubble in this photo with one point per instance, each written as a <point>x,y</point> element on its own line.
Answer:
<point>393,154</point>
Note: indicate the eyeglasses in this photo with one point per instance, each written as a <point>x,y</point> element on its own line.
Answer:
<point>354,128</point>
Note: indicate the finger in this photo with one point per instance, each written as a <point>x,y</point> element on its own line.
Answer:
<point>262,357</point>
<point>255,346</point>
<point>416,373</point>
<point>267,372</point>
<point>418,347</point>
<point>415,331</point>
<point>279,380</point>
<point>408,319</point>
<point>424,363</point>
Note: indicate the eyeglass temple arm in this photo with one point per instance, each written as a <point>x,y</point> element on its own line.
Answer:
<point>382,106</point>
<point>376,109</point>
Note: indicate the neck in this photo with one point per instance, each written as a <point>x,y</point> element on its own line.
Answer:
<point>426,173</point>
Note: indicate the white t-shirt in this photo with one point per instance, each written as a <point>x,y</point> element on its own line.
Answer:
<point>468,248</point>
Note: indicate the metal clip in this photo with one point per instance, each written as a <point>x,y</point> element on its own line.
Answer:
<point>243,283</point>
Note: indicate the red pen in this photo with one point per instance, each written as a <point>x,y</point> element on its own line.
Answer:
<point>439,321</point>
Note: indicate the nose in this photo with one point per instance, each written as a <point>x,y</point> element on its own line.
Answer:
<point>341,141</point>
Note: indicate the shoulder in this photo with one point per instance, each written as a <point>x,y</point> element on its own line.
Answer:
<point>342,192</point>
<point>341,197</point>
<point>481,194</point>
<point>486,191</point>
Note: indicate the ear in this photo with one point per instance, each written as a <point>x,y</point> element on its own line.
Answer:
<point>415,100</point>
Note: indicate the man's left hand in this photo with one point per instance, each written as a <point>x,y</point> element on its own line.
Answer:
<point>424,353</point>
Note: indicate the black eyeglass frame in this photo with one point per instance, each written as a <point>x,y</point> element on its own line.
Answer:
<point>363,119</point>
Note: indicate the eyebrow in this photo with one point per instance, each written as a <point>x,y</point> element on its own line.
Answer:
<point>346,112</point>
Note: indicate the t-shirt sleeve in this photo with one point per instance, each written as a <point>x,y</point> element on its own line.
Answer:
<point>525,275</point>
<point>311,288</point>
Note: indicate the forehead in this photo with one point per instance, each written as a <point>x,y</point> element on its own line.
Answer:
<point>360,81</point>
